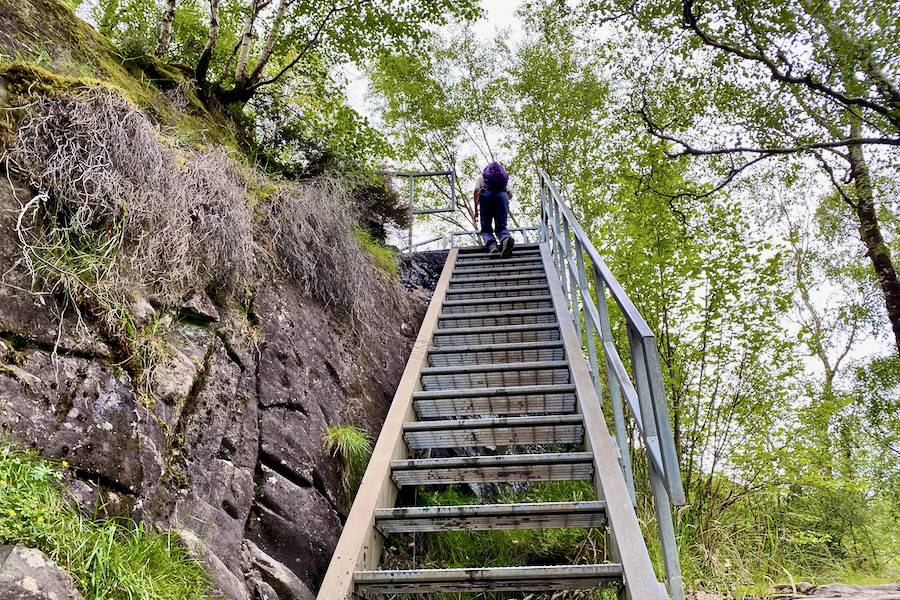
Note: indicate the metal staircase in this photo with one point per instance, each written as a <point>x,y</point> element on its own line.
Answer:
<point>498,365</point>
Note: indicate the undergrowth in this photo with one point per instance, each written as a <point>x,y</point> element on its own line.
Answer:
<point>110,559</point>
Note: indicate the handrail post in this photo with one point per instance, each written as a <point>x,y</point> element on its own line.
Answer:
<point>573,290</point>
<point>658,482</point>
<point>590,327</point>
<point>412,214</point>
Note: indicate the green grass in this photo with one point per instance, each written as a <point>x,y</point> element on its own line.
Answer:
<point>383,257</point>
<point>108,559</point>
<point>352,448</point>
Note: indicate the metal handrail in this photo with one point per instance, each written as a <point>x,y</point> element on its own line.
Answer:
<point>413,211</point>
<point>472,233</point>
<point>574,254</point>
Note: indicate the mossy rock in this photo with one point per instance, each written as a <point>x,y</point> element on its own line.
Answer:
<point>56,52</point>
<point>22,79</point>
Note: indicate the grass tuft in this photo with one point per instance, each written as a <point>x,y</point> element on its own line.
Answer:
<point>352,448</point>
<point>111,559</point>
<point>383,257</point>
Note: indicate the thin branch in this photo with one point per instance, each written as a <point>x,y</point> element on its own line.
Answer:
<point>692,22</point>
<point>315,38</point>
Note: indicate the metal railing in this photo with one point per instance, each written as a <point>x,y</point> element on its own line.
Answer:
<point>525,231</point>
<point>413,211</point>
<point>575,258</point>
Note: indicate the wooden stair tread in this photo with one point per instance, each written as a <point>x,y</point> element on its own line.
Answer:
<point>483,517</point>
<point>495,431</point>
<point>498,391</point>
<point>532,578</point>
<point>560,466</point>
<point>525,366</point>
<point>495,401</point>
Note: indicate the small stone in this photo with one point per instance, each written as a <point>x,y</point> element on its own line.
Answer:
<point>141,311</point>
<point>28,574</point>
<point>174,378</point>
<point>199,306</point>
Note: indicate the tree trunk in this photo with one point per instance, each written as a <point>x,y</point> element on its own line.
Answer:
<point>870,232</point>
<point>165,29</point>
<point>240,69</point>
<point>269,46</point>
<point>211,39</point>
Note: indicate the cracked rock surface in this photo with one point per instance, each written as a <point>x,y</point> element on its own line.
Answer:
<point>225,447</point>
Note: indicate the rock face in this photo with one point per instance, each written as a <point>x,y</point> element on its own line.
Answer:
<point>422,269</point>
<point>224,446</point>
<point>27,574</point>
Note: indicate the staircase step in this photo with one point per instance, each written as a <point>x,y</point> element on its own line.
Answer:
<point>470,336</point>
<point>558,466</point>
<point>496,431</point>
<point>486,354</point>
<point>484,517</point>
<point>497,304</point>
<point>497,281</point>
<point>493,319</point>
<point>470,250</point>
<point>475,294</point>
<point>491,579</point>
<point>559,399</point>
<point>497,269</point>
<point>488,259</point>
<point>495,375</point>
<point>501,263</point>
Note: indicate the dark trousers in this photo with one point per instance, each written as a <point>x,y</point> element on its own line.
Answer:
<point>494,208</point>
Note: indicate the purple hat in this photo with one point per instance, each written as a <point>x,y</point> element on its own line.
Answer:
<point>495,177</point>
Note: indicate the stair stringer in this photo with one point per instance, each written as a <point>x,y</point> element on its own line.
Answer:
<point>360,544</point>
<point>609,482</point>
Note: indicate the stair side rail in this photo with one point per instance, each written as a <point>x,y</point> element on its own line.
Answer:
<point>574,256</point>
<point>360,544</point>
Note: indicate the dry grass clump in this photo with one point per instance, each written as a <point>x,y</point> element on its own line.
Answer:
<point>120,209</point>
<point>312,225</point>
<point>165,220</point>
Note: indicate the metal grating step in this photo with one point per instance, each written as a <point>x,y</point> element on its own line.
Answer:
<point>498,269</point>
<point>497,282</point>
<point>470,336</point>
<point>509,292</point>
<point>497,304</point>
<point>490,319</point>
<point>560,466</point>
<point>491,579</point>
<point>470,250</point>
<point>500,263</point>
<point>487,354</point>
<point>484,517</point>
<point>495,375</point>
<point>498,431</point>
<point>495,401</point>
